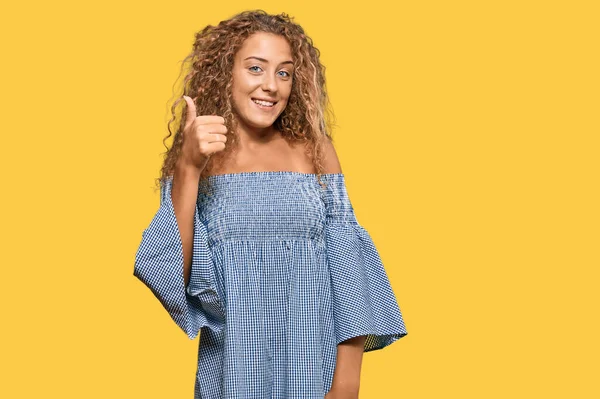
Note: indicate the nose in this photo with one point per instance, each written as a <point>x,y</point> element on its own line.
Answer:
<point>269,83</point>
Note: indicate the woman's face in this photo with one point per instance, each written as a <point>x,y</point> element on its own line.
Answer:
<point>262,70</point>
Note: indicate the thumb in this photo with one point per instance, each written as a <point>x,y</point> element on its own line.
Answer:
<point>191,110</point>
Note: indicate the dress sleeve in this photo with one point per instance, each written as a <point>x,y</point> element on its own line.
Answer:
<point>363,300</point>
<point>159,265</point>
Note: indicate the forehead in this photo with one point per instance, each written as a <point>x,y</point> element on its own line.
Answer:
<point>273,48</point>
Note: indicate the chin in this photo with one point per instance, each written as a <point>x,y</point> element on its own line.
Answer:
<point>261,123</point>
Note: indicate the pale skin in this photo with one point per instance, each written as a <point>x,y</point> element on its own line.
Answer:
<point>261,70</point>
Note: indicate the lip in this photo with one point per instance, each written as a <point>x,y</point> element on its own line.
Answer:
<point>263,99</point>
<point>263,108</point>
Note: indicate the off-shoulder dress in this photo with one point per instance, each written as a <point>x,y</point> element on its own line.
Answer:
<point>281,273</point>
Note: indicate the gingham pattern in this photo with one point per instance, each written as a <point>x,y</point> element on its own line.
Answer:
<point>282,272</point>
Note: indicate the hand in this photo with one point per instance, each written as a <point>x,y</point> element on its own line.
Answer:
<point>340,393</point>
<point>202,136</point>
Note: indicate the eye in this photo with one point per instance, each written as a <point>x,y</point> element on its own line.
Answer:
<point>287,73</point>
<point>254,66</point>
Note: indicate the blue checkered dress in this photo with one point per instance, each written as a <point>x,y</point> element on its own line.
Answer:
<point>281,273</point>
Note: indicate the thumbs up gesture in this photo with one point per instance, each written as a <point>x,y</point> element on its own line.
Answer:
<point>202,136</point>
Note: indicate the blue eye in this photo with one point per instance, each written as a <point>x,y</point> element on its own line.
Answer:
<point>287,74</point>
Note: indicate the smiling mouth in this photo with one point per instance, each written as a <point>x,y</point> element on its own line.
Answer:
<point>264,104</point>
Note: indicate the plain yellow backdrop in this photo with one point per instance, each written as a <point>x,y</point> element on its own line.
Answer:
<point>468,132</point>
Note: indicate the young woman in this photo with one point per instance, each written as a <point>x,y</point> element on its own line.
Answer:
<point>255,244</point>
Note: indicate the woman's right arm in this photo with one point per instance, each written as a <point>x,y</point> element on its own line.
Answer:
<point>184,194</point>
<point>202,136</point>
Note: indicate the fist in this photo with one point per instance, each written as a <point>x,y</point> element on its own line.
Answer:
<point>202,136</point>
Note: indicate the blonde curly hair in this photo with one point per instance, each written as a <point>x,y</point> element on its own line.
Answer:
<point>307,118</point>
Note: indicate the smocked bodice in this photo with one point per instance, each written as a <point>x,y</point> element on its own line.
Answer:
<point>264,206</point>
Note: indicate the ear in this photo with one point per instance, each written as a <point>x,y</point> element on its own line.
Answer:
<point>331,162</point>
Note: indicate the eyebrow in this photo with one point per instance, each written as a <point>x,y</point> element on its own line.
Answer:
<point>265,61</point>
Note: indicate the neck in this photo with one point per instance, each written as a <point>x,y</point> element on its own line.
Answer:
<point>252,137</point>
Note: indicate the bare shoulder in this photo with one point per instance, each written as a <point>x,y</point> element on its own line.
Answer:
<point>331,163</point>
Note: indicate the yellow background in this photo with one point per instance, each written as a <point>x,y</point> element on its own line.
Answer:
<point>468,131</point>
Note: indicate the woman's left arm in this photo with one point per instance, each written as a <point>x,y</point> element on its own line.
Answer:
<point>346,377</point>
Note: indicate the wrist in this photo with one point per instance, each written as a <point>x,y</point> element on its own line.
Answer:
<point>183,167</point>
<point>185,171</point>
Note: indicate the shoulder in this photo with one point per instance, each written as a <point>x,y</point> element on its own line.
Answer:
<point>331,162</point>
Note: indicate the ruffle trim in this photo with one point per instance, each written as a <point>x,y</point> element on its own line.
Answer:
<point>159,265</point>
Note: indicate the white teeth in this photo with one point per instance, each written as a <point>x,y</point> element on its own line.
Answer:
<point>264,103</point>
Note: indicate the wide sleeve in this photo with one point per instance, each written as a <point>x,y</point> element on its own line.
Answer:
<point>159,265</point>
<point>363,300</point>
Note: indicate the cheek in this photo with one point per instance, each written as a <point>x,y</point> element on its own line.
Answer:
<point>238,84</point>
<point>285,91</point>
<point>287,94</point>
<point>239,91</point>
<point>238,98</point>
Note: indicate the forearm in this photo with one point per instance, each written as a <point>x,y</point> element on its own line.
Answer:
<point>184,194</point>
<point>348,364</point>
